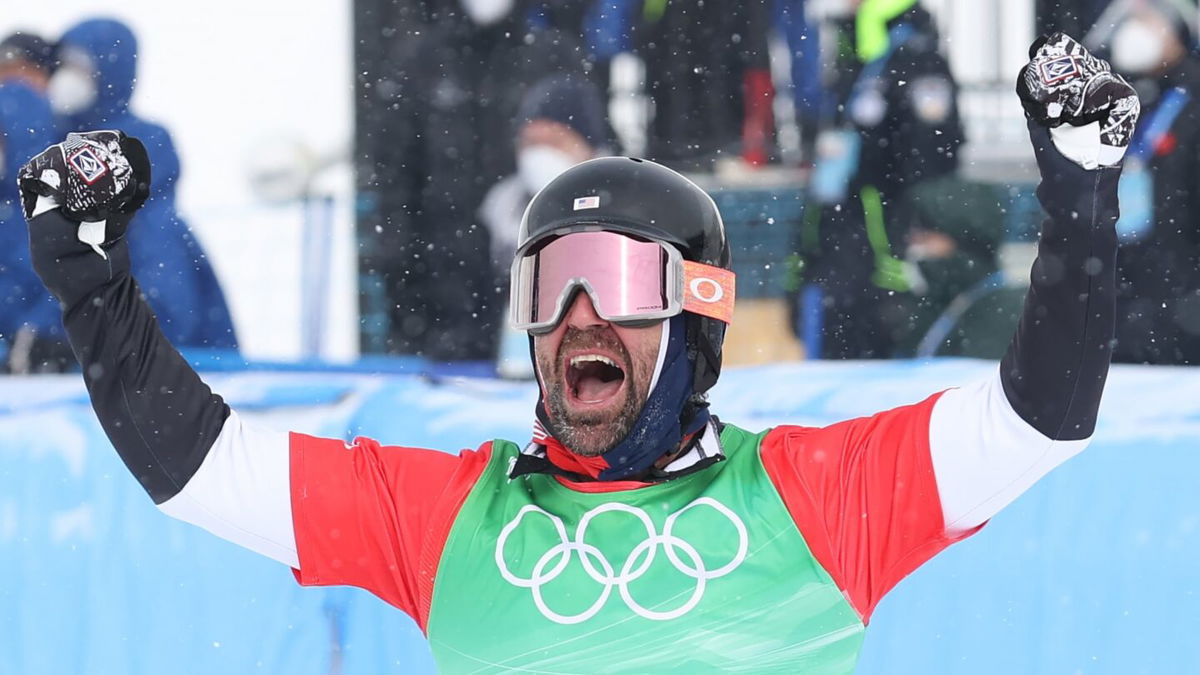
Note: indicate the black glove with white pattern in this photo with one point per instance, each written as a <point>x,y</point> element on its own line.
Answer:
<point>78,197</point>
<point>91,176</point>
<point>1091,111</point>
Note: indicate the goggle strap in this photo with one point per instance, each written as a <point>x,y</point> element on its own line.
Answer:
<point>708,291</point>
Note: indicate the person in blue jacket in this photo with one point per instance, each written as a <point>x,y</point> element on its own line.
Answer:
<point>92,89</point>
<point>31,333</point>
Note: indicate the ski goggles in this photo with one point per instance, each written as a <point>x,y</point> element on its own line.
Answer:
<point>629,280</point>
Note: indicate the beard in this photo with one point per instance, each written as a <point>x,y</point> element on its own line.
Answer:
<point>591,433</point>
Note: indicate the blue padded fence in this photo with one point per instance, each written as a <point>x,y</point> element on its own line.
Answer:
<point>1096,570</point>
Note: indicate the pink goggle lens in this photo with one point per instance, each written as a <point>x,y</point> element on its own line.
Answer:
<point>625,277</point>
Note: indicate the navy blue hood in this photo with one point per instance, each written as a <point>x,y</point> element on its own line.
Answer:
<point>113,50</point>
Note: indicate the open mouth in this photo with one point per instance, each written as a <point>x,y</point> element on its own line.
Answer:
<point>593,378</point>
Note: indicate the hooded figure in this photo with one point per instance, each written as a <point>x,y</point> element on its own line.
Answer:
<point>26,309</point>
<point>92,90</point>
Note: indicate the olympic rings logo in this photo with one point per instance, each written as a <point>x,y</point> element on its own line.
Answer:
<point>554,561</point>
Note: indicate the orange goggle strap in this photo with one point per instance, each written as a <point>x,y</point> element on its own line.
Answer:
<point>708,291</point>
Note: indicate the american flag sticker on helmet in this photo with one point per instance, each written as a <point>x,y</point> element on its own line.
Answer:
<point>582,203</point>
<point>708,291</point>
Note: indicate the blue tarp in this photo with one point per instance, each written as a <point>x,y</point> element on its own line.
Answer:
<point>1096,570</point>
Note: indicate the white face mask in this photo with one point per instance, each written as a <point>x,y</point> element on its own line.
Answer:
<point>486,12</point>
<point>71,90</point>
<point>537,165</point>
<point>1137,48</point>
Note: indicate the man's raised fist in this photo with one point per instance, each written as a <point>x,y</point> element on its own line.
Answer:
<point>1091,111</point>
<point>90,176</point>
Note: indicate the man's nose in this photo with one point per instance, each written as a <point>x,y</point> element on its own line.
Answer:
<point>581,314</point>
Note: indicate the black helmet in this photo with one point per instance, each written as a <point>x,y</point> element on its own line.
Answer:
<point>650,201</point>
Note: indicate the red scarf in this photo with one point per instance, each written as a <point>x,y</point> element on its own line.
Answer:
<point>560,456</point>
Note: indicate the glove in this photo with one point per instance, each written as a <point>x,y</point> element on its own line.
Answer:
<point>78,194</point>
<point>96,178</point>
<point>1091,112</point>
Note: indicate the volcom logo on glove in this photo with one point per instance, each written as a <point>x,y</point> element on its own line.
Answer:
<point>1090,110</point>
<point>87,165</point>
<point>91,176</point>
<point>1060,76</point>
<point>1058,70</point>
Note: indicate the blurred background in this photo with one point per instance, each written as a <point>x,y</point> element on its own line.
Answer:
<point>336,196</point>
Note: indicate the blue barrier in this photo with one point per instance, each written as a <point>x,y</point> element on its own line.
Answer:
<point>1093,571</point>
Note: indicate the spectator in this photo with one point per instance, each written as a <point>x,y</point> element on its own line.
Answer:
<point>26,58</point>
<point>453,99</point>
<point>563,122</point>
<point>31,333</point>
<point>895,125</point>
<point>92,89</point>
<point>1158,301</point>
<point>955,230</point>
<point>708,75</point>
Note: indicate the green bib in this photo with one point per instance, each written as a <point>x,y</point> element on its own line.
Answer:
<point>700,574</point>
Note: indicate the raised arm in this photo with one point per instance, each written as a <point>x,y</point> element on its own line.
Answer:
<point>991,441</point>
<point>309,503</point>
<point>878,496</point>
<point>161,417</point>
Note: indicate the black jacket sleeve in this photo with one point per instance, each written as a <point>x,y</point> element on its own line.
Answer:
<point>1055,368</point>
<point>159,415</point>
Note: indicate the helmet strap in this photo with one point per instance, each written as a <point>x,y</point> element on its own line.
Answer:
<point>704,355</point>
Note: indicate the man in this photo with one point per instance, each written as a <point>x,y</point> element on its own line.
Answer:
<point>637,531</point>
<point>1158,296</point>
<point>896,124</point>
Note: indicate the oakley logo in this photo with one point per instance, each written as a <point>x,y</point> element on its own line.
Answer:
<point>698,286</point>
<point>681,555</point>
<point>709,291</point>
<point>87,165</point>
<point>1057,70</point>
